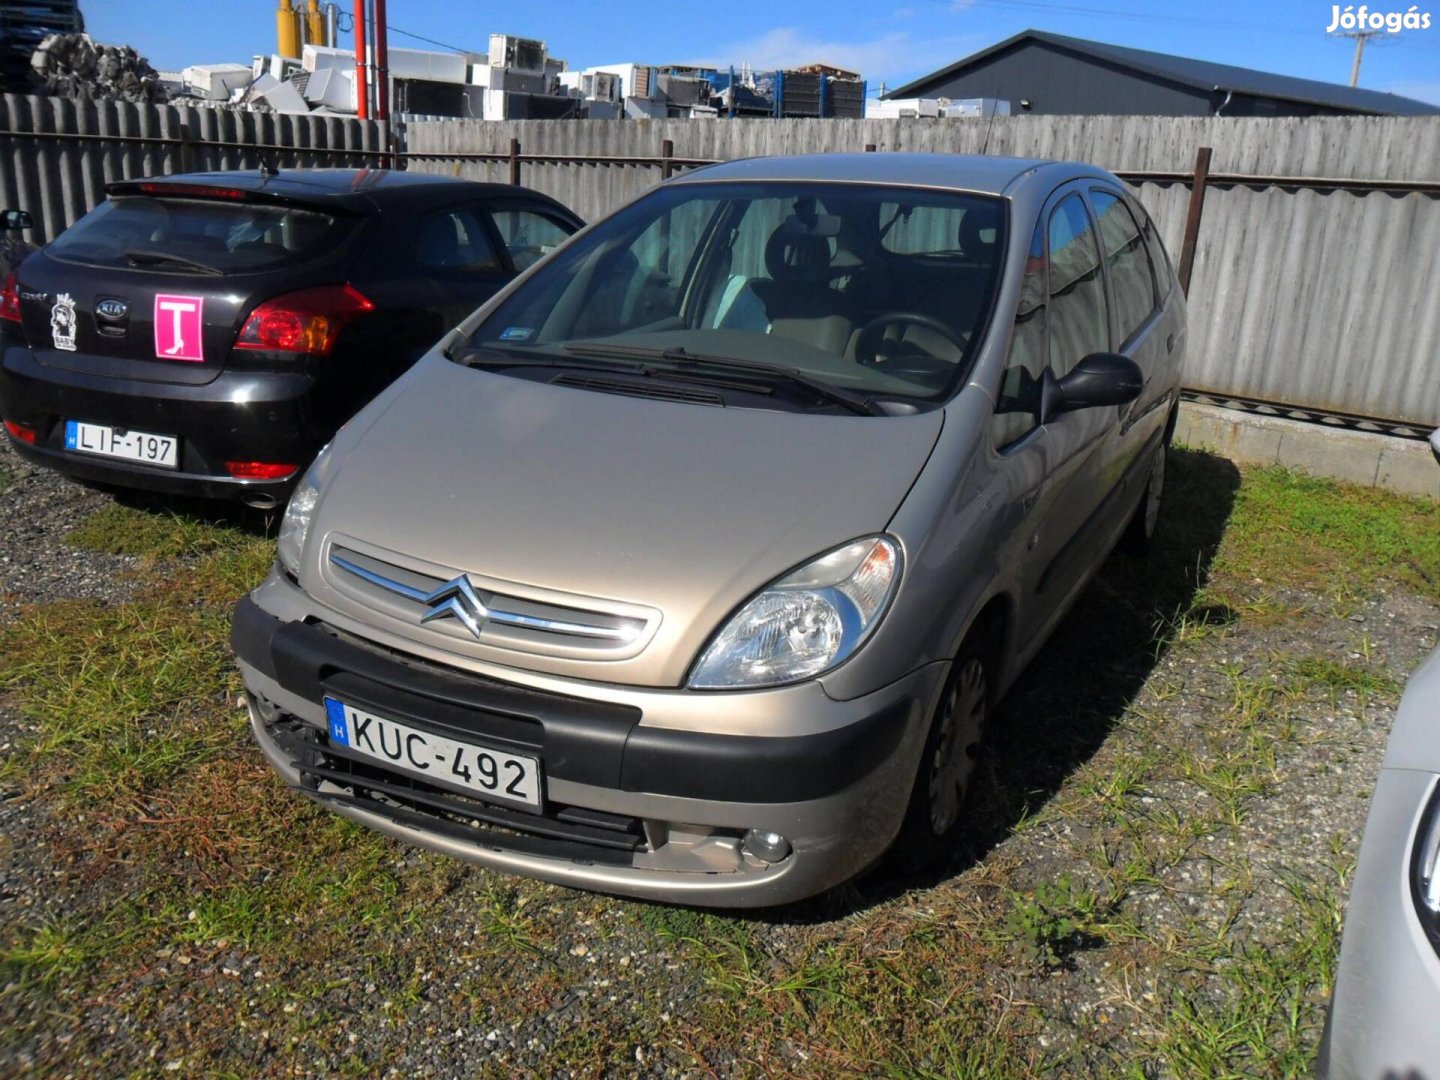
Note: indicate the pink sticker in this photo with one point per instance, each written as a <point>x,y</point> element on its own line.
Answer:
<point>178,327</point>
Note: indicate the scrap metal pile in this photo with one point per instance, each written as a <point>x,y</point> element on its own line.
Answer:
<point>74,66</point>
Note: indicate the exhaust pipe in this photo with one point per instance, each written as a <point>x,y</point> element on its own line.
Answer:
<point>259,500</point>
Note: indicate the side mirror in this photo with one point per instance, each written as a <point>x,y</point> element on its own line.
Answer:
<point>15,220</point>
<point>1102,378</point>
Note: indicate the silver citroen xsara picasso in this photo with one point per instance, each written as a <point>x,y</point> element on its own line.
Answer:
<point>691,565</point>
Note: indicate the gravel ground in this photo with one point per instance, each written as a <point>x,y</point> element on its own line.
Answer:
<point>489,975</point>
<point>37,510</point>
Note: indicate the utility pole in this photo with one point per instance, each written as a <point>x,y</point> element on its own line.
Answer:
<point>1360,36</point>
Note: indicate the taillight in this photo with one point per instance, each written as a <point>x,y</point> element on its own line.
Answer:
<point>259,470</point>
<point>307,321</point>
<point>21,432</point>
<point>194,191</point>
<point>10,299</point>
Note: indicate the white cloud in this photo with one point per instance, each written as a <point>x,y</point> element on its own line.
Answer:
<point>894,57</point>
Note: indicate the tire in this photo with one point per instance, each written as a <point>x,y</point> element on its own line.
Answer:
<point>944,779</point>
<point>1140,533</point>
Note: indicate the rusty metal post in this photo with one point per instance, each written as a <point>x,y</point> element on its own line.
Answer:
<point>187,161</point>
<point>1192,217</point>
<point>515,162</point>
<point>667,152</point>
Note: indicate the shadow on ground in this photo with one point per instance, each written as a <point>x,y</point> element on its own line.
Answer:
<point>1066,702</point>
<point>231,514</point>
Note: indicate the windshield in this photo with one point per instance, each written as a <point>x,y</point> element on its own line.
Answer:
<point>876,291</point>
<point>181,234</point>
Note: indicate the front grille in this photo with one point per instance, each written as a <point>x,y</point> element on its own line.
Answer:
<point>339,776</point>
<point>466,609</point>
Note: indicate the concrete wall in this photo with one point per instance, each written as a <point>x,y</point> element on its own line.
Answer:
<point>1323,298</point>
<point>1357,457</point>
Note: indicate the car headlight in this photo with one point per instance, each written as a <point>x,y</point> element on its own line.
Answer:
<point>807,622</point>
<point>298,512</point>
<point>1425,869</point>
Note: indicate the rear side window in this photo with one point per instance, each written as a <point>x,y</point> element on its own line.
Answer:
<point>1078,323</point>
<point>456,241</point>
<point>205,235</point>
<point>1159,257</point>
<point>1132,279</point>
<point>528,235</point>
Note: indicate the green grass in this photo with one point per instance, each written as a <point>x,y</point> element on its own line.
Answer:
<point>1291,529</point>
<point>1103,792</point>
<point>155,534</point>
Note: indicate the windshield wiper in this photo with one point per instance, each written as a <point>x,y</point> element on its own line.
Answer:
<point>161,258</point>
<point>478,356</point>
<point>679,354</point>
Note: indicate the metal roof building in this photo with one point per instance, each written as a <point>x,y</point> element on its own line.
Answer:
<point>1040,72</point>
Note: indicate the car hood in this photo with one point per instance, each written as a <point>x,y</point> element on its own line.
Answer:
<point>598,502</point>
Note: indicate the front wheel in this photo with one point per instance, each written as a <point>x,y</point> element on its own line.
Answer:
<point>947,764</point>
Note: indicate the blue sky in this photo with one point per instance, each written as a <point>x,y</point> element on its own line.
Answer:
<point>890,42</point>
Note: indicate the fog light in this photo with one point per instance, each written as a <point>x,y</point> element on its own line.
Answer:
<point>768,847</point>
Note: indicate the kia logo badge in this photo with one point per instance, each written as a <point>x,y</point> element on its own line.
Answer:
<point>113,310</point>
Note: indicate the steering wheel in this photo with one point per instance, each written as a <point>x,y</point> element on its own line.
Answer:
<point>905,359</point>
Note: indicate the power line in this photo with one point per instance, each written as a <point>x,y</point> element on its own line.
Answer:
<point>1077,9</point>
<point>392,28</point>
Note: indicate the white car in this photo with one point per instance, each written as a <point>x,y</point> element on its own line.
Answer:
<point>1385,1014</point>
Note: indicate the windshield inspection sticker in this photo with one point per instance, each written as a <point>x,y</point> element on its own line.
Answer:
<point>177,327</point>
<point>62,322</point>
<point>515,333</point>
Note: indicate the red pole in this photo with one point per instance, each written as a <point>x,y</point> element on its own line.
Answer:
<point>382,63</point>
<point>362,90</point>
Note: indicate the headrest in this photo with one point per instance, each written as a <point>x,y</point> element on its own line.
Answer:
<point>794,255</point>
<point>978,230</point>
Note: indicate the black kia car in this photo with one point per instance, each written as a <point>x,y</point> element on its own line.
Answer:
<point>206,334</point>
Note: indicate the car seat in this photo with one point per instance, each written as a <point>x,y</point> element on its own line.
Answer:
<point>798,299</point>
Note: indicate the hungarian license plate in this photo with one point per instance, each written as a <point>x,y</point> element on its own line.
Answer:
<point>486,772</point>
<point>113,442</point>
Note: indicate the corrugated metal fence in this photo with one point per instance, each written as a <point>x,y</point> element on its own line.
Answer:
<point>56,155</point>
<point>1301,293</point>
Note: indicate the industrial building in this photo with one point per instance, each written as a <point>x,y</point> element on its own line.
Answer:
<point>1044,73</point>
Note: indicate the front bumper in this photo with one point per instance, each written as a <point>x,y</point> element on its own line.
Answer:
<point>238,416</point>
<point>1387,987</point>
<point>671,799</point>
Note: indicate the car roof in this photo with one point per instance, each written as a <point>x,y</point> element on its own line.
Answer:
<point>960,172</point>
<point>357,189</point>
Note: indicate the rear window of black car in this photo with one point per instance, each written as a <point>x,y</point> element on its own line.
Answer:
<point>205,235</point>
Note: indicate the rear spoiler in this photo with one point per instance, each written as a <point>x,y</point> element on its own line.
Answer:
<point>219,192</point>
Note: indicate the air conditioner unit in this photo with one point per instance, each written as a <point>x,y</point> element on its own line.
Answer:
<point>518,54</point>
